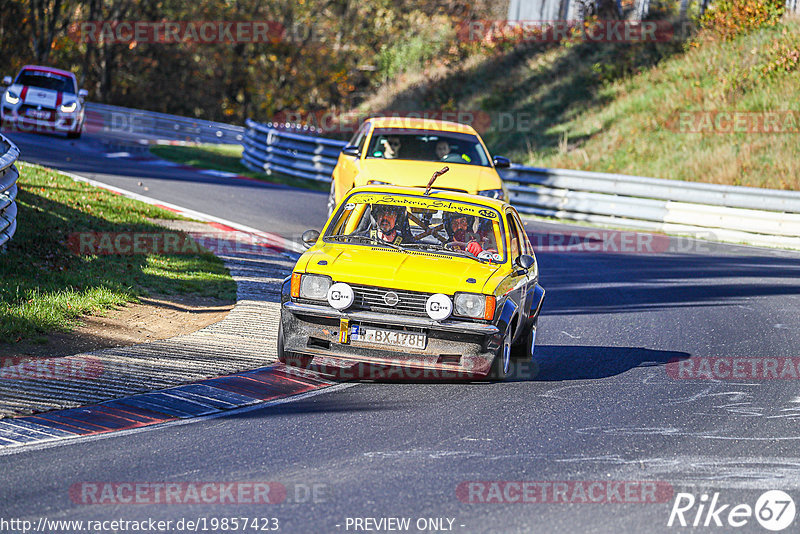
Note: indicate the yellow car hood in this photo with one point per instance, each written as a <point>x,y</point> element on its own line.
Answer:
<point>413,271</point>
<point>469,178</point>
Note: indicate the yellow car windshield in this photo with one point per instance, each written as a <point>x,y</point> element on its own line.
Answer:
<point>420,223</point>
<point>425,145</point>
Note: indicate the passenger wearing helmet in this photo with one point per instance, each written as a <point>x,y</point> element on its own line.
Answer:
<point>390,224</point>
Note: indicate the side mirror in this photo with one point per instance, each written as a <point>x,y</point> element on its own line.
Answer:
<point>501,162</point>
<point>351,150</point>
<point>525,261</point>
<point>310,237</point>
<point>6,80</point>
<point>83,93</point>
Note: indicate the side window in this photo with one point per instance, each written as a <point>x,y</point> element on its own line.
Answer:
<point>360,137</point>
<point>513,233</point>
<point>524,244</point>
<point>363,139</point>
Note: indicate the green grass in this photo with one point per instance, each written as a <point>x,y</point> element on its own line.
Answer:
<point>45,287</point>
<point>227,158</point>
<point>634,128</point>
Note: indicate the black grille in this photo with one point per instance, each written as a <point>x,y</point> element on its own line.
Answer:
<point>409,303</point>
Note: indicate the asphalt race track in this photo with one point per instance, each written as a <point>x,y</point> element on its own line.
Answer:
<point>599,406</point>
<point>287,211</point>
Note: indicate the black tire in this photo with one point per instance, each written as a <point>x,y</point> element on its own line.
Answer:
<point>281,352</point>
<point>290,358</point>
<point>501,365</point>
<point>524,350</point>
<point>73,135</point>
<point>332,198</point>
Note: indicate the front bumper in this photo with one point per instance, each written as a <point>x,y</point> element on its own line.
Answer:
<point>60,122</point>
<point>454,349</point>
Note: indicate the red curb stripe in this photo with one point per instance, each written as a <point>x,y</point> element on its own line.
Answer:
<point>265,384</point>
<point>106,421</point>
<point>133,420</point>
<point>50,422</point>
<point>137,412</point>
<point>282,375</point>
<point>163,207</point>
<point>224,227</point>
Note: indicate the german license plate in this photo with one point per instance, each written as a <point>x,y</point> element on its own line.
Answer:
<point>38,113</point>
<point>393,338</point>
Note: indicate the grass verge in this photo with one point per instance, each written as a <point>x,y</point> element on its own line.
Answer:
<point>227,158</point>
<point>45,287</point>
<point>619,107</point>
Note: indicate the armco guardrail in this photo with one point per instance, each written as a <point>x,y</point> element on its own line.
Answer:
<point>725,213</point>
<point>140,125</point>
<point>8,190</point>
<point>269,149</point>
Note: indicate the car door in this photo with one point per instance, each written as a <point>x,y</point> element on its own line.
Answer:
<point>528,297</point>
<point>347,167</point>
<point>519,278</point>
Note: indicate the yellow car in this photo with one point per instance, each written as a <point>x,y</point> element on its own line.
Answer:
<point>405,151</point>
<point>436,285</point>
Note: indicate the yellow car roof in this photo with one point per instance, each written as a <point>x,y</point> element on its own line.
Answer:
<point>440,194</point>
<point>415,123</point>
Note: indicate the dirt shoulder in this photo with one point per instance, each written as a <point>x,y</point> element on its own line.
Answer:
<point>156,317</point>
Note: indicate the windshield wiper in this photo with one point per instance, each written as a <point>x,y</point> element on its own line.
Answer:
<point>437,247</point>
<point>465,254</point>
<point>433,246</point>
<point>368,239</point>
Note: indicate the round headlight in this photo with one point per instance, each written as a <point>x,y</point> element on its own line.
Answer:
<point>340,296</point>
<point>470,305</point>
<point>439,307</point>
<point>314,287</point>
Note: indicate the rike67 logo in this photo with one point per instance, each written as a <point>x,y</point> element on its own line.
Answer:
<point>774,510</point>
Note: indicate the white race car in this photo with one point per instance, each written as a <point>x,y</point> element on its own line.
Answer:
<point>43,99</point>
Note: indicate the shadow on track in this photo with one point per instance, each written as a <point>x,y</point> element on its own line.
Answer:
<point>576,362</point>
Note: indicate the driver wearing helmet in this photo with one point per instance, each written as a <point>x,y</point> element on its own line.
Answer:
<point>391,223</point>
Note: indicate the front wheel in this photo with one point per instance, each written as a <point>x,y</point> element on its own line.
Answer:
<point>501,365</point>
<point>524,351</point>
<point>281,352</point>
<point>287,357</point>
